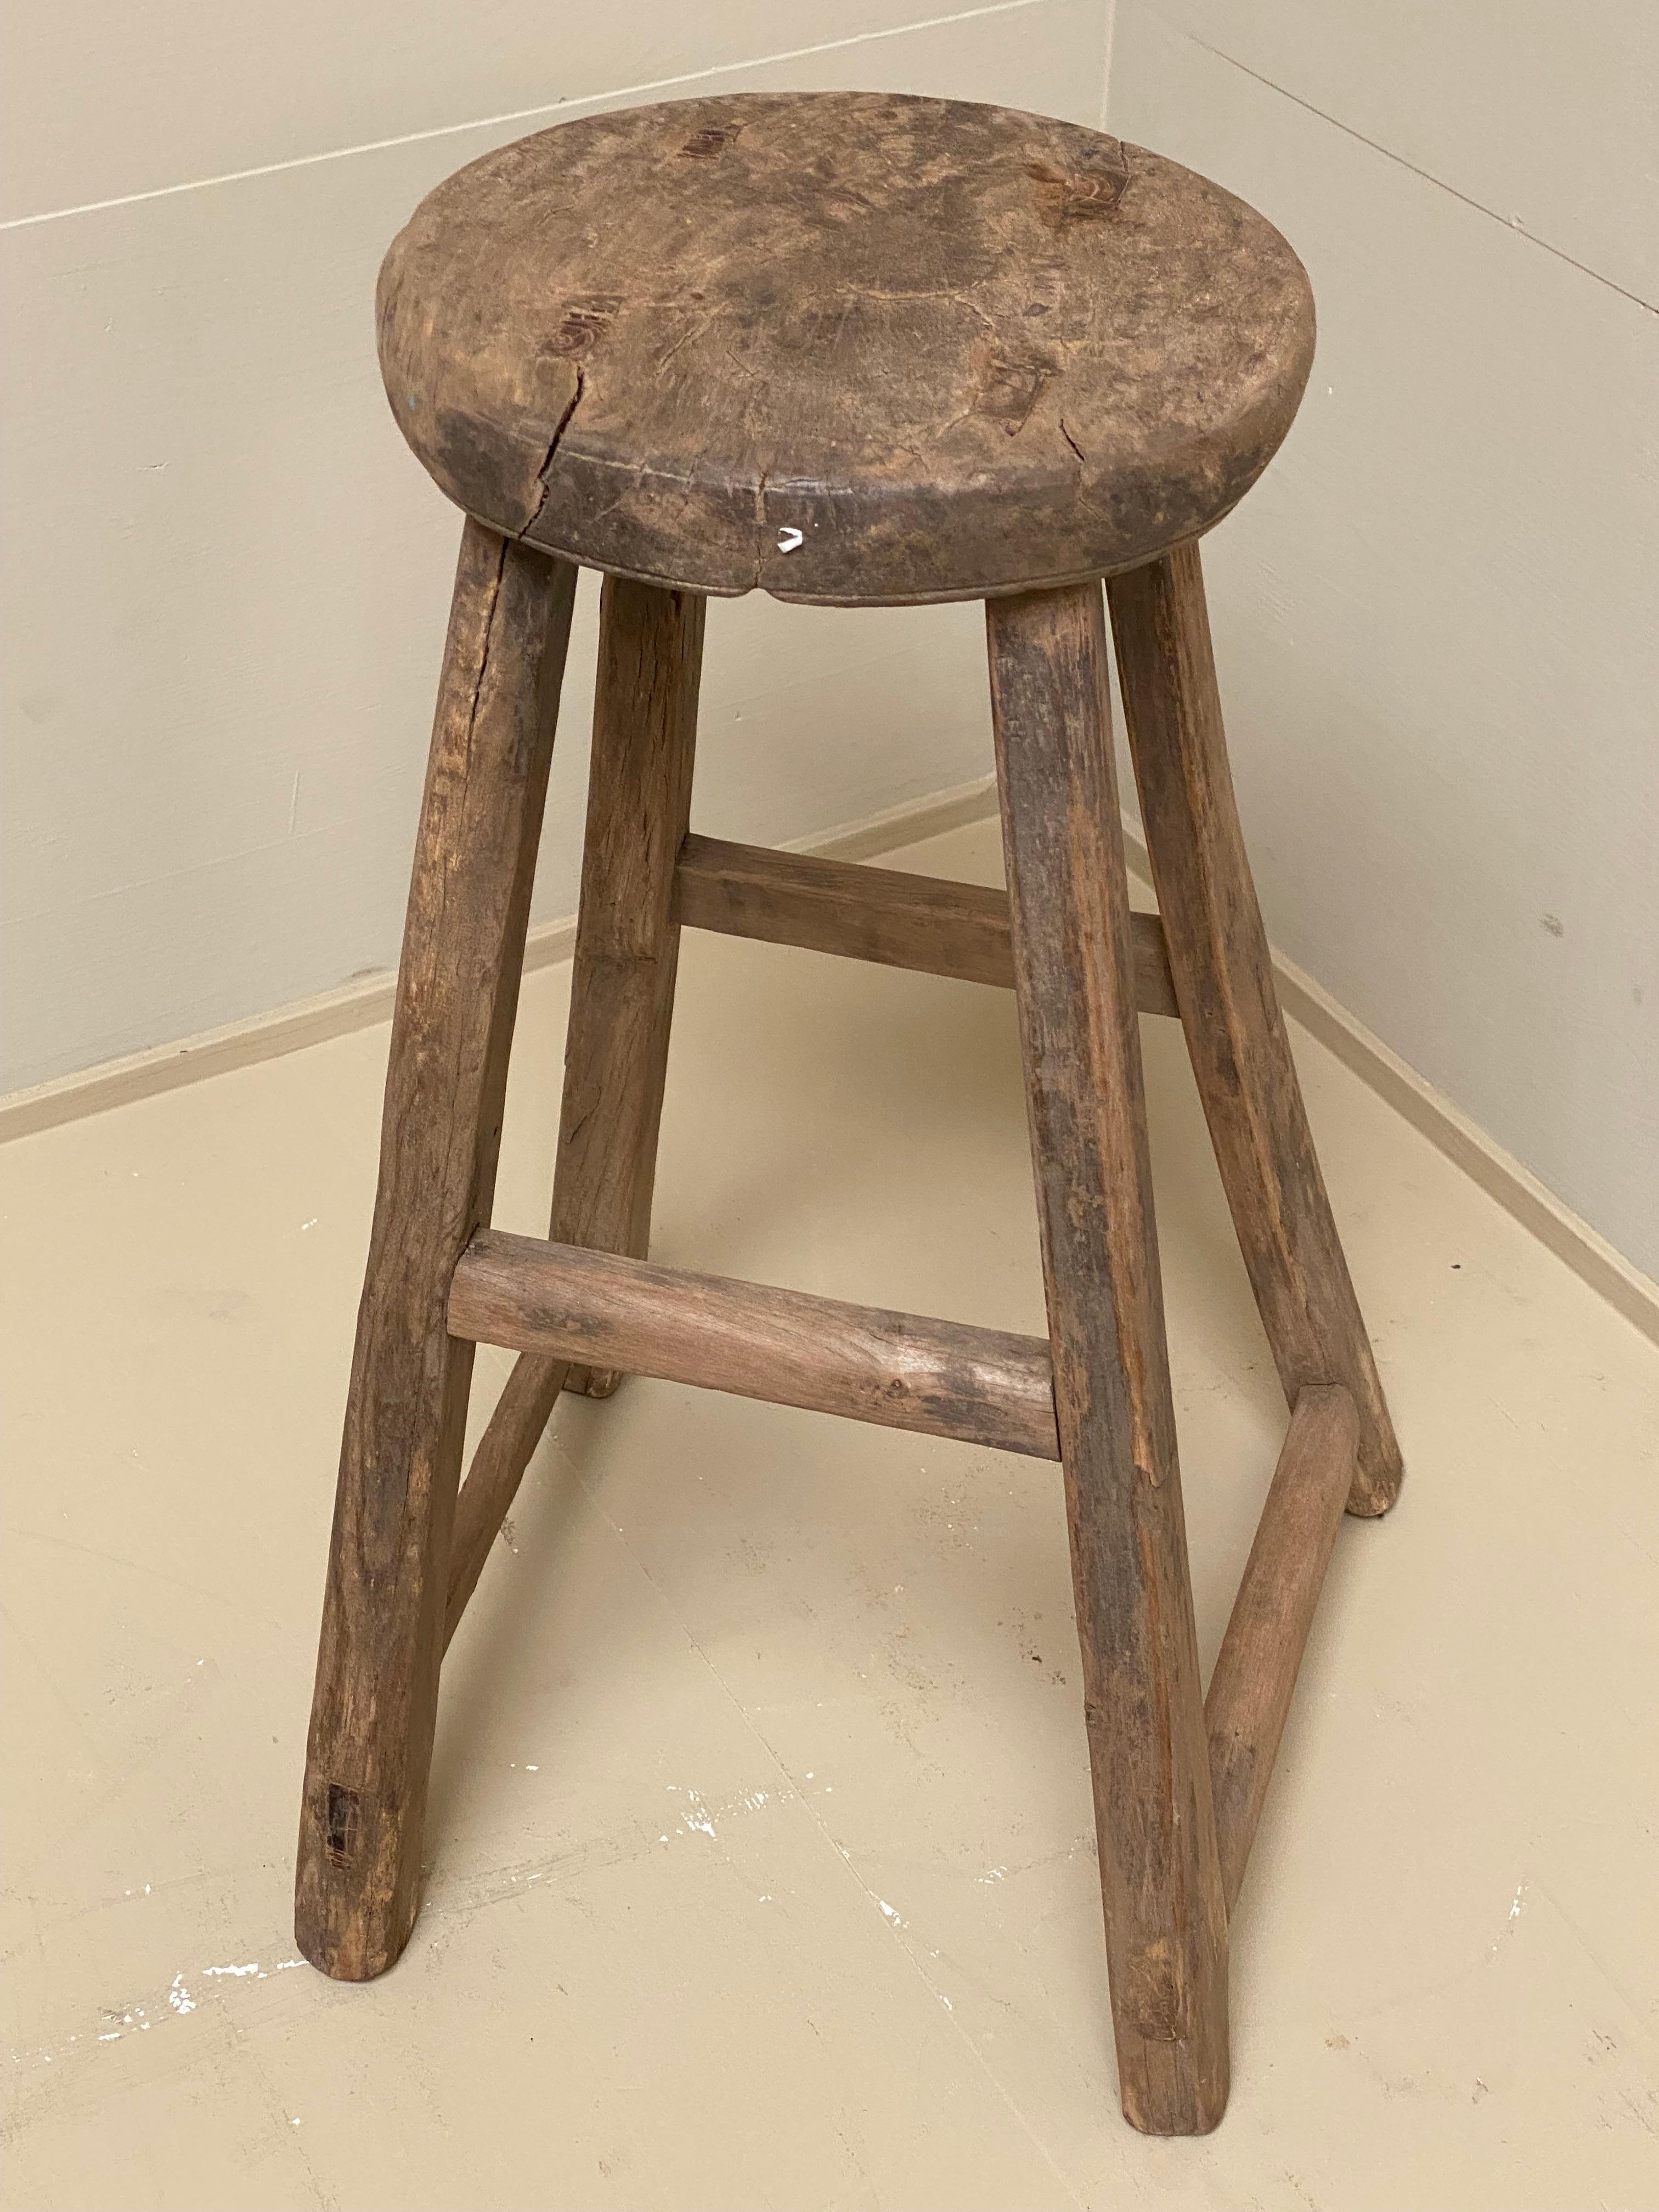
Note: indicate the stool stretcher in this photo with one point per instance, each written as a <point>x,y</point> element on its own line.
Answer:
<point>900,1370</point>
<point>883,914</point>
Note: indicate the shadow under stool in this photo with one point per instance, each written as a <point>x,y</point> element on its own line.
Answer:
<point>851,350</point>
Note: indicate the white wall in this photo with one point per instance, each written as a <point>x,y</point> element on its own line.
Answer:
<point>225,579</point>
<point>1438,617</point>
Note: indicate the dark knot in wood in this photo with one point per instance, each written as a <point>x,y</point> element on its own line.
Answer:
<point>582,322</point>
<point>709,139</point>
<point>1081,195</point>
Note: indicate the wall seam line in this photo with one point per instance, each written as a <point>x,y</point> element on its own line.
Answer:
<point>1511,223</point>
<point>1108,47</point>
<point>514,115</point>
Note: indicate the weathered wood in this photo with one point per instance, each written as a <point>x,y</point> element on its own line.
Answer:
<point>1166,1921</point>
<point>504,1450</point>
<point>900,1370</point>
<point>357,1888</point>
<point>1230,1008</point>
<point>849,346</point>
<point>622,992</point>
<point>883,914</point>
<point>1256,1672</point>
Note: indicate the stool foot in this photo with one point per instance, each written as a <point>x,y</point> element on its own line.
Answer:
<point>1166,1921</point>
<point>621,998</point>
<point>1230,1007</point>
<point>357,1888</point>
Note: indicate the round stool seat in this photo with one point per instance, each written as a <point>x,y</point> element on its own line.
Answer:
<point>850,348</point>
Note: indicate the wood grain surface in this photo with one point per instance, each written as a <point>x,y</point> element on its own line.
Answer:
<point>357,1886</point>
<point>499,1460</point>
<point>621,990</point>
<point>899,1370</point>
<point>885,914</point>
<point>847,347</point>
<point>1249,1692</point>
<point>1166,1920</point>
<point>1230,1007</point>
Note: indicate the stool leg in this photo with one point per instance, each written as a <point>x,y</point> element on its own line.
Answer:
<point>1166,1922</point>
<point>1230,1008</point>
<point>358,1883</point>
<point>622,996</point>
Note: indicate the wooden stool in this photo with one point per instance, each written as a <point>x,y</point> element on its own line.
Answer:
<point>852,349</point>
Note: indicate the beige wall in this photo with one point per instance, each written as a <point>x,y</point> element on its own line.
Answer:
<point>225,579</point>
<point>1438,617</point>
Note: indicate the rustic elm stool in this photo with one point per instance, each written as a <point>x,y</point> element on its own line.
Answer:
<point>855,350</point>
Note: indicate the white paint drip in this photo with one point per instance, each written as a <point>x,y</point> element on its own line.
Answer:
<point>1511,1917</point>
<point>696,1817</point>
<point>180,2002</point>
<point>699,1817</point>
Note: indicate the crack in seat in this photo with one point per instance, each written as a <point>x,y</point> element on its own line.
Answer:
<point>960,349</point>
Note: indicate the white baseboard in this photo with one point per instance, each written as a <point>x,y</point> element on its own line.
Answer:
<point>367,1000</point>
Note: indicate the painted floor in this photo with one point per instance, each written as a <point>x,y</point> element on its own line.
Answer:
<point>762,1871</point>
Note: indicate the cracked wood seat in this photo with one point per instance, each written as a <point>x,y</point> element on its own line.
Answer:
<point>848,347</point>
<point>863,350</point>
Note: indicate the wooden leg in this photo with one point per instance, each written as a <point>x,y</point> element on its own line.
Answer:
<point>627,941</point>
<point>358,1885</point>
<point>1166,1923</point>
<point>1230,1008</point>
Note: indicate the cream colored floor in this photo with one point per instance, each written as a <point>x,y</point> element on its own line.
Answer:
<point>761,1865</point>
